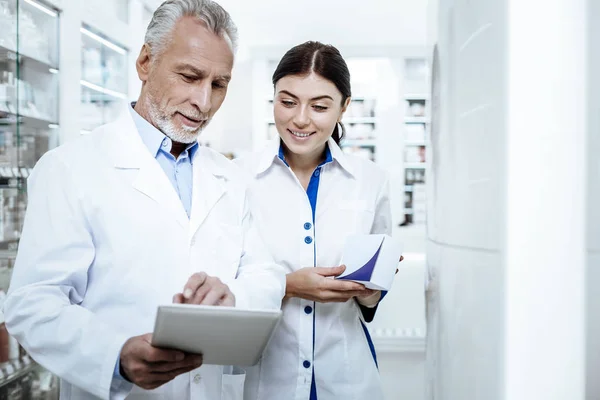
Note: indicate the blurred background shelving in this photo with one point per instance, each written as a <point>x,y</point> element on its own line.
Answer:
<point>29,126</point>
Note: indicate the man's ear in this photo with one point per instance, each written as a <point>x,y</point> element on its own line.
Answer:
<point>143,63</point>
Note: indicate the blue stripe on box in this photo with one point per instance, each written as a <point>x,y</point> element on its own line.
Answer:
<point>365,272</point>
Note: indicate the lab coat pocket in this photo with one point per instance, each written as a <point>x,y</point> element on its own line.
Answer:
<point>354,216</point>
<point>353,205</point>
<point>232,385</point>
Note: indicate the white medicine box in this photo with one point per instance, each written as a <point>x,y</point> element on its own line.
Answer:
<point>371,260</point>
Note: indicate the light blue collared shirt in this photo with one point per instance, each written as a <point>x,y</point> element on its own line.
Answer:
<point>179,171</point>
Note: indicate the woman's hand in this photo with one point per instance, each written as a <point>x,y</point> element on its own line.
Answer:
<point>371,297</point>
<point>316,284</point>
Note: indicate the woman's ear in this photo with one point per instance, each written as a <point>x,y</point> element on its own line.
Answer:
<point>345,107</point>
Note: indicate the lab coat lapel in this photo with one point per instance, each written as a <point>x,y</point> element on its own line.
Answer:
<point>152,181</point>
<point>207,190</point>
<point>130,152</point>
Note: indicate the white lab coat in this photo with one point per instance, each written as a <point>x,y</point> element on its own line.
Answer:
<point>106,240</point>
<point>352,198</point>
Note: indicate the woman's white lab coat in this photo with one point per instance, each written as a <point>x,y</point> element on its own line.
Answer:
<point>106,240</point>
<point>352,198</point>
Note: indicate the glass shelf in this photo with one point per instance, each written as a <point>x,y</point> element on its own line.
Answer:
<point>37,25</point>
<point>29,72</point>
<point>104,63</point>
<point>29,88</point>
<point>99,107</point>
<point>104,79</point>
<point>29,127</point>
<point>29,84</point>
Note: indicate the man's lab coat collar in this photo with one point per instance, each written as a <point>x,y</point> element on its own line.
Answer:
<point>130,152</point>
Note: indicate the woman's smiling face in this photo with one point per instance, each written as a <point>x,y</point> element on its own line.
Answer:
<point>306,110</point>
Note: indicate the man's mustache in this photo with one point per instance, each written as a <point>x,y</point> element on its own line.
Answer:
<point>194,115</point>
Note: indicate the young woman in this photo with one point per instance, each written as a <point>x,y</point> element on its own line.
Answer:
<point>307,196</point>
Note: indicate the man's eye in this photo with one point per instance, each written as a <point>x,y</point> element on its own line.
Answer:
<point>187,78</point>
<point>219,85</point>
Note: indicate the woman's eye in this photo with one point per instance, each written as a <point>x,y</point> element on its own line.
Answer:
<point>287,103</point>
<point>320,108</point>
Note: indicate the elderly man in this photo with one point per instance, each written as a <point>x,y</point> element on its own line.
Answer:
<point>136,215</point>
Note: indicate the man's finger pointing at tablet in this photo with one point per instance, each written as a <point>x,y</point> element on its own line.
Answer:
<point>193,284</point>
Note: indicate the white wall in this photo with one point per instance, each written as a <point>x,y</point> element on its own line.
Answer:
<point>465,261</point>
<point>593,277</point>
<point>546,219</point>
<point>546,205</point>
<point>506,232</point>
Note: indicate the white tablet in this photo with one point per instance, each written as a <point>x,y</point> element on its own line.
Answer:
<point>223,335</point>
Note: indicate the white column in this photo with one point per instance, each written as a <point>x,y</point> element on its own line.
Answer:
<point>546,214</point>
<point>593,219</point>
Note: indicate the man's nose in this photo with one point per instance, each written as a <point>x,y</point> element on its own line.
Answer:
<point>201,98</point>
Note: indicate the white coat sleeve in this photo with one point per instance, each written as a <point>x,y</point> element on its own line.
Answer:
<point>43,307</point>
<point>260,282</point>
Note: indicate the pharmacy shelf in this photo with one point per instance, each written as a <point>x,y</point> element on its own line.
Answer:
<point>359,120</point>
<point>15,172</point>
<point>415,165</point>
<point>416,143</point>
<point>359,143</point>
<point>416,120</point>
<point>399,340</point>
<point>99,89</point>
<point>12,54</point>
<point>8,117</point>
<point>8,253</point>
<point>9,247</point>
<point>416,97</point>
<point>13,370</point>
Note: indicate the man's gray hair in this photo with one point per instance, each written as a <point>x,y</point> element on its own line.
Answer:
<point>168,13</point>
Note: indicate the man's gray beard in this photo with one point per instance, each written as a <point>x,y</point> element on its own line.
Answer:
<point>183,135</point>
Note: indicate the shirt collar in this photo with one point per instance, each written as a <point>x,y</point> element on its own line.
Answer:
<point>154,139</point>
<point>340,157</point>
<point>274,152</point>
